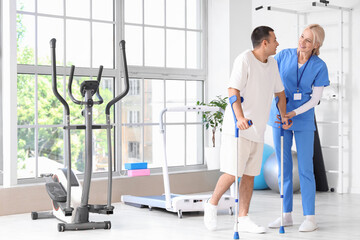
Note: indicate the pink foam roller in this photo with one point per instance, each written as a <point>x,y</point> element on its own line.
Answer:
<point>140,172</point>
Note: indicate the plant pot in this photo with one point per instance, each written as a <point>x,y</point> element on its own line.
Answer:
<point>212,158</point>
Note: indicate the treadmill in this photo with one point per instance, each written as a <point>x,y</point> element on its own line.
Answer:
<point>177,203</point>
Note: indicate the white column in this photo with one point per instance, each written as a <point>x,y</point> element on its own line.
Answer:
<point>241,28</point>
<point>9,90</point>
<point>229,34</point>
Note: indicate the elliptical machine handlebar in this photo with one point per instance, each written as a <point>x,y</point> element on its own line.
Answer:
<point>126,78</point>
<point>71,77</point>
<point>101,100</point>
<point>72,70</point>
<point>54,80</point>
<point>68,209</point>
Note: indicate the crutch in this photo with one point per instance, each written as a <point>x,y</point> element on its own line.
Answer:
<point>282,229</point>
<point>233,99</point>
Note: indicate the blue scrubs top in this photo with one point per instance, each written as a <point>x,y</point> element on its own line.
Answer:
<point>315,74</point>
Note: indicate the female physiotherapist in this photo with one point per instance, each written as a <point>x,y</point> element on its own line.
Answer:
<point>304,76</point>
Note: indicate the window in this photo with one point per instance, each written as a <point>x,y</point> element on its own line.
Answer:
<point>164,33</point>
<point>134,87</point>
<point>133,116</point>
<point>166,51</point>
<point>165,55</point>
<point>40,114</point>
<point>184,131</point>
<point>133,150</point>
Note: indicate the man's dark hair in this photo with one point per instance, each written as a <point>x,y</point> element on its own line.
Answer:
<point>259,34</point>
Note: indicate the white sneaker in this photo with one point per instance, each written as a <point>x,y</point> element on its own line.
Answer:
<point>308,226</point>
<point>276,224</point>
<point>210,216</point>
<point>246,225</point>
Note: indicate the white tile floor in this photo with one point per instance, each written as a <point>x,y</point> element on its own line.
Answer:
<point>338,218</point>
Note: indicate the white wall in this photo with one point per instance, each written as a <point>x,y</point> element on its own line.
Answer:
<point>285,25</point>
<point>230,26</point>
<point>229,33</point>
<point>354,87</point>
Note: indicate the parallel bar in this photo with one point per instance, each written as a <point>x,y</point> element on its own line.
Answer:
<point>271,8</point>
<point>319,4</point>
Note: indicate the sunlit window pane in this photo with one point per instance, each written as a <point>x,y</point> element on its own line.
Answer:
<point>193,14</point>
<point>194,92</point>
<point>175,13</point>
<point>25,99</point>
<point>133,11</point>
<point>134,46</point>
<point>175,145</point>
<point>154,47</point>
<point>78,150</point>
<point>194,50</point>
<point>153,100</point>
<point>51,150</point>
<point>175,48</point>
<point>131,104</point>
<point>107,93</point>
<point>55,7</point>
<point>50,109</point>
<point>100,150</point>
<point>25,5</point>
<point>153,146</point>
<point>49,28</point>
<point>78,43</point>
<point>103,45</point>
<point>194,143</point>
<point>103,9</point>
<point>154,12</point>
<point>26,153</point>
<point>25,29</point>
<point>175,97</point>
<point>78,8</point>
<point>75,109</point>
<point>131,144</point>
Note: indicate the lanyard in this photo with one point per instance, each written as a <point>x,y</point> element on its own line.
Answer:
<point>297,71</point>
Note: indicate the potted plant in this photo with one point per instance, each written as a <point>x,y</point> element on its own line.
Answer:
<point>214,121</point>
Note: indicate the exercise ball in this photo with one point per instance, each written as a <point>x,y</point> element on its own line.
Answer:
<point>259,181</point>
<point>271,170</point>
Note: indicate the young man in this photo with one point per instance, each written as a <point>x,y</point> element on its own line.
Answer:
<point>255,77</point>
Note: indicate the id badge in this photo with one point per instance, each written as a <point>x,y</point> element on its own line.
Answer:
<point>297,96</point>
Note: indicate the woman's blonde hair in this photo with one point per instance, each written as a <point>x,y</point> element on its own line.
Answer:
<point>319,36</point>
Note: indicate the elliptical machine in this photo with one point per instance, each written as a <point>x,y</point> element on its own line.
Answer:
<point>71,200</point>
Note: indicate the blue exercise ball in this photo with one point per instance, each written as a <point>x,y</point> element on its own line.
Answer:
<point>271,170</point>
<point>259,181</point>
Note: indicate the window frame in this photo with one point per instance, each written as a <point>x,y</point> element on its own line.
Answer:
<point>170,74</point>
<point>134,72</point>
<point>64,71</point>
<point>1,95</point>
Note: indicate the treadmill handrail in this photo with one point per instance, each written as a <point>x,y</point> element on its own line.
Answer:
<point>186,109</point>
<point>165,170</point>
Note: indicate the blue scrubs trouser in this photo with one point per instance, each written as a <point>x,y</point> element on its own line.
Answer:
<point>305,150</point>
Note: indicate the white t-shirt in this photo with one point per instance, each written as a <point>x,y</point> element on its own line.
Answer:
<point>257,83</point>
